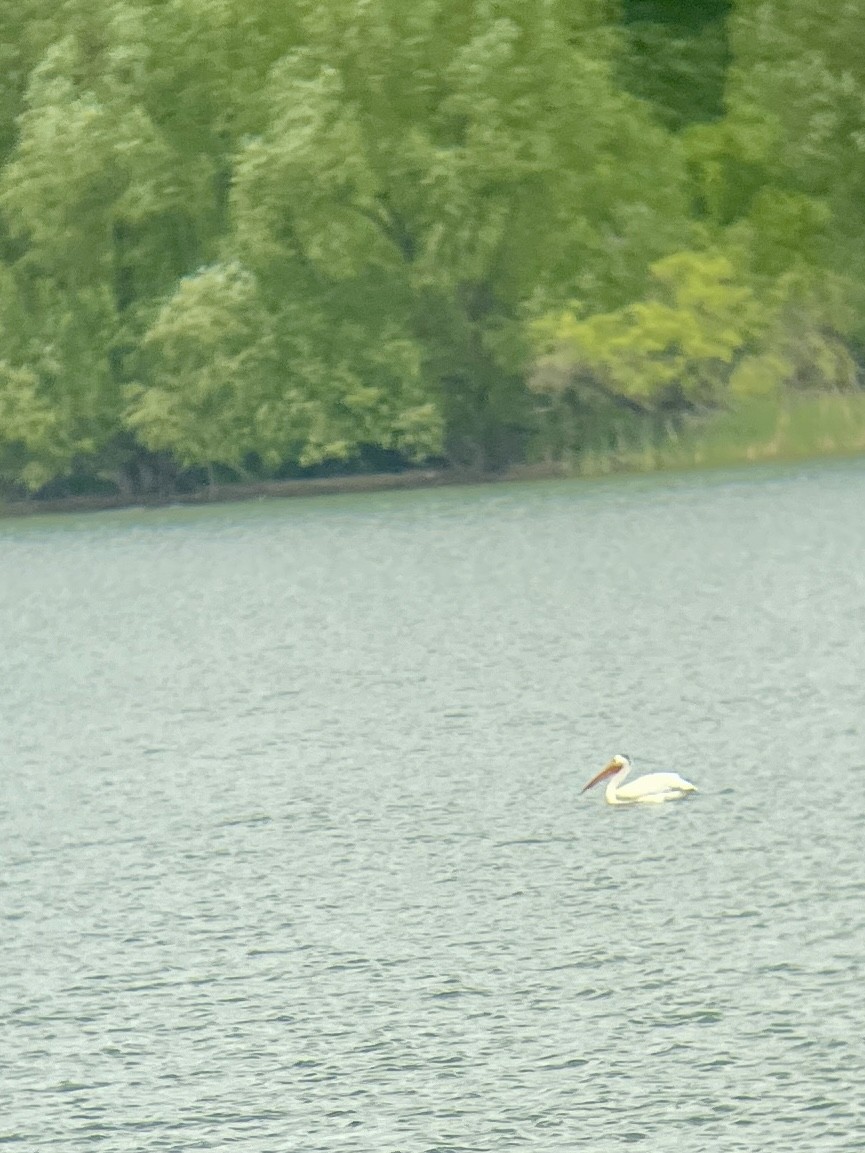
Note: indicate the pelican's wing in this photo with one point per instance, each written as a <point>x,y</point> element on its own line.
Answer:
<point>654,784</point>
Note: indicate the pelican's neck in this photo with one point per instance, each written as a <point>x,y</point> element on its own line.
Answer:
<point>611,792</point>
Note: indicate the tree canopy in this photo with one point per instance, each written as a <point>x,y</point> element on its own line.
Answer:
<point>255,240</point>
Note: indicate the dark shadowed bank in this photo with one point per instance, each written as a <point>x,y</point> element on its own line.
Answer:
<point>281,489</point>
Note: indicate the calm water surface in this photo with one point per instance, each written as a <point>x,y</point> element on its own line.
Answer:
<point>293,850</point>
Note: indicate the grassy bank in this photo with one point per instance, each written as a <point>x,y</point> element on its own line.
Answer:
<point>798,426</point>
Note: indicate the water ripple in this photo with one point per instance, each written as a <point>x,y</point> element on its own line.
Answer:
<point>294,852</point>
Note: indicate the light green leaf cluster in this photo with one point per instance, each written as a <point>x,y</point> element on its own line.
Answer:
<point>230,382</point>
<point>58,404</point>
<point>710,333</point>
<point>675,348</point>
<point>28,440</point>
<point>210,359</point>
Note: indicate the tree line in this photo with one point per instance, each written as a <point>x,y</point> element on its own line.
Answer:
<point>263,240</point>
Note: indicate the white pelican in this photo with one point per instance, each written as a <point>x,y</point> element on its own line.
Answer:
<point>652,789</point>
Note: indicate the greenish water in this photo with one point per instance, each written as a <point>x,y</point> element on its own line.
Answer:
<point>294,855</point>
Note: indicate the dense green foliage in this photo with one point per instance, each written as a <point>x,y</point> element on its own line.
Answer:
<point>256,239</point>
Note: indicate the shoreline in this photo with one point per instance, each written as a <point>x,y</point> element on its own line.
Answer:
<point>281,489</point>
<point>810,427</point>
<point>389,482</point>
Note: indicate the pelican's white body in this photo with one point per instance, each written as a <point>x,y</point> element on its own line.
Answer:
<point>653,789</point>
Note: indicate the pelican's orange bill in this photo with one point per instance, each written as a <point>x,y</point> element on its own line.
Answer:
<point>606,771</point>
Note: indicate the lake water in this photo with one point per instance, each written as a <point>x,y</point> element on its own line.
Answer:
<point>294,852</point>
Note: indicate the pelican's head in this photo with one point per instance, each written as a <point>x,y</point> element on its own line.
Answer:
<point>619,762</point>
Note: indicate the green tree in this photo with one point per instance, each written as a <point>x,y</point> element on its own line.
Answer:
<point>434,171</point>
<point>787,165</point>
<point>676,55</point>
<point>231,383</point>
<point>80,168</point>
<point>673,350</point>
<point>267,236</point>
<point>116,188</point>
<point>800,71</point>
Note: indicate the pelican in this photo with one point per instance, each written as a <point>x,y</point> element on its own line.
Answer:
<point>652,789</point>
